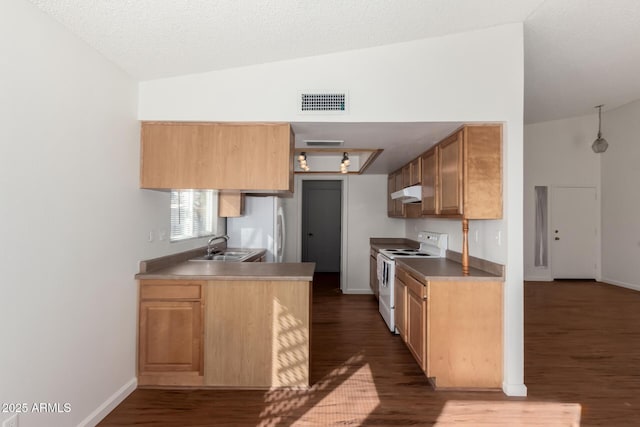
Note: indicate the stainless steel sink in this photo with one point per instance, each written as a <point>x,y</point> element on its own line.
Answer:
<point>231,255</point>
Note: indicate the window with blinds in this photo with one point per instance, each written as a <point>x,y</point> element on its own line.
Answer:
<point>192,214</point>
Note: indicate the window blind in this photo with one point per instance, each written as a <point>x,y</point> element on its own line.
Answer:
<point>192,214</point>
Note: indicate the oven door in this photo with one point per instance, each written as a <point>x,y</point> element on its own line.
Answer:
<point>386,272</point>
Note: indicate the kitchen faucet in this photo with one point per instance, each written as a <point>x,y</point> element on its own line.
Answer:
<point>210,248</point>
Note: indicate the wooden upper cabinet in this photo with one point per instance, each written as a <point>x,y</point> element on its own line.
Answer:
<point>429,181</point>
<point>470,173</point>
<point>414,172</point>
<point>406,176</point>
<point>450,174</point>
<point>230,204</point>
<point>398,210</point>
<point>222,156</point>
<point>411,173</point>
<point>395,182</point>
<point>391,187</point>
<point>482,193</point>
<point>461,177</point>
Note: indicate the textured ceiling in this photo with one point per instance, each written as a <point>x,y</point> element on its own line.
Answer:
<point>160,38</point>
<point>578,53</point>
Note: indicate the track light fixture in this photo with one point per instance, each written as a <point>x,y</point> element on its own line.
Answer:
<point>344,165</point>
<point>302,161</point>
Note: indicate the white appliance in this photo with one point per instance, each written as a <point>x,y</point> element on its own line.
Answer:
<point>261,226</point>
<point>432,245</point>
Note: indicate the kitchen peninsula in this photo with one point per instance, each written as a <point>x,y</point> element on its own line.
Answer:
<point>224,324</point>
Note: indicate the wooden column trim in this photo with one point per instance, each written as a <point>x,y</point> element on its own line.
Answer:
<point>465,246</point>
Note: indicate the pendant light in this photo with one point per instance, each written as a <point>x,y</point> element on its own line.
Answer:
<point>600,145</point>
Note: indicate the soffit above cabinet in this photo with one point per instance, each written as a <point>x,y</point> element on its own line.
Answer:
<point>399,141</point>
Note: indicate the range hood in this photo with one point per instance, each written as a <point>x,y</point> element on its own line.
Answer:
<point>411,194</point>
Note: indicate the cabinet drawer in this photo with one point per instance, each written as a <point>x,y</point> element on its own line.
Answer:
<point>413,285</point>
<point>170,290</point>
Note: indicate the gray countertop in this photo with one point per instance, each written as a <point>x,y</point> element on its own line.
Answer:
<point>178,267</point>
<point>215,270</point>
<point>443,269</point>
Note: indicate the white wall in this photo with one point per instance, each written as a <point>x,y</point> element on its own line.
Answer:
<point>470,77</point>
<point>367,210</point>
<point>621,197</point>
<point>75,223</point>
<point>557,153</point>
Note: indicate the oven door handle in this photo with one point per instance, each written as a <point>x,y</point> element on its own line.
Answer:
<point>384,273</point>
<point>385,281</point>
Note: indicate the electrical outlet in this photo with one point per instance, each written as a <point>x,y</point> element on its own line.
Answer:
<point>477,236</point>
<point>150,237</point>
<point>499,238</point>
<point>11,421</point>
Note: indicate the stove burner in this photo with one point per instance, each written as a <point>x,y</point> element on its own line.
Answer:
<point>405,252</point>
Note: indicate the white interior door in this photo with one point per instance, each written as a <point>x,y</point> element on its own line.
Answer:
<point>574,230</point>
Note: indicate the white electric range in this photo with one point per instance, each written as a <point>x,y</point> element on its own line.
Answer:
<point>432,245</point>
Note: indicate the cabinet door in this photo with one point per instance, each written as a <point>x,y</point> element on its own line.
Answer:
<point>222,156</point>
<point>373,275</point>
<point>170,336</point>
<point>414,171</point>
<point>230,204</point>
<point>450,175</point>
<point>406,175</point>
<point>398,210</point>
<point>401,303</point>
<point>416,327</point>
<point>430,182</point>
<point>391,187</point>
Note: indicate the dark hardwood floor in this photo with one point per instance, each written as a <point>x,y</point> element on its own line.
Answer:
<point>582,367</point>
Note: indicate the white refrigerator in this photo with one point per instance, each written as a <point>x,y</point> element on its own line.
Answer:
<point>261,226</point>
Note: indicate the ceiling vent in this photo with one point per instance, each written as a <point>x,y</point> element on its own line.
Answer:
<point>323,103</point>
<point>323,143</point>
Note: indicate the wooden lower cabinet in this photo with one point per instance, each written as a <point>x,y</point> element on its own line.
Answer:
<point>235,334</point>
<point>257,334</point>
<point>454,330</point>
<point>415,316</point>
<point>416,331</point>
<point>400,290</point>
<point>170,334</point>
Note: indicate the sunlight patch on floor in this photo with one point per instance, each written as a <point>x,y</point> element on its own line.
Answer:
<point>526,414</point>
<point>347,393</point>
<point>350,403</point>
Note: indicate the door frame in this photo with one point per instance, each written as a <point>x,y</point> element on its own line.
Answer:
<point>598,249</point>
<point>297,195</point>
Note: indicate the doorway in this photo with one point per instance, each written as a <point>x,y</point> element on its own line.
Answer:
<point>322,224</point>
<point>574,232</point>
